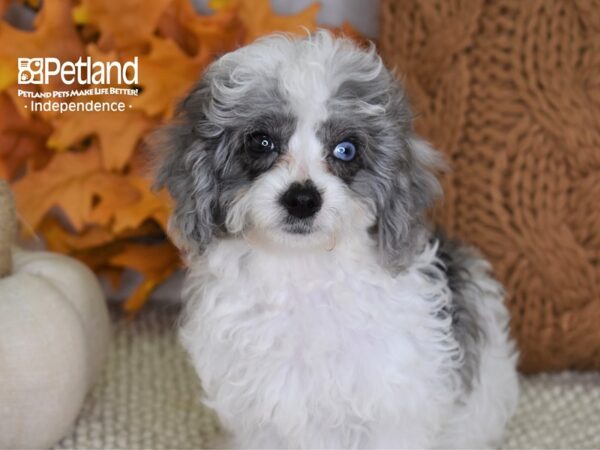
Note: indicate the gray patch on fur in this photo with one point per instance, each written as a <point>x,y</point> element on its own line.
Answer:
<point>466,323</point>
<point>389,173</point>
<point>204,164</point>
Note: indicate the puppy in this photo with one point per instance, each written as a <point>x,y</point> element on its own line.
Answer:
<point>322,312</point>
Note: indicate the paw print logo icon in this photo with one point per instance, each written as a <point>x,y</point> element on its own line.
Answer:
<point>31,70</point>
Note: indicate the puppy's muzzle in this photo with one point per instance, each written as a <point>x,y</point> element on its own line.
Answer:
<point>302,200</point>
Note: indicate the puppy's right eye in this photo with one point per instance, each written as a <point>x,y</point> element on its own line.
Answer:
<point>261,143</point>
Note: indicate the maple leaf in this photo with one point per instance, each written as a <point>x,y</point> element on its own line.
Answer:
<point>95,246</point>
<point>149,205</point>
<point>73,182</point>
<point>162,87</point>
<point>155,262</point>
<point>21,139</point>
<point>54,36</point>
<point>216,33</point>
<point>118,133</point>
<point>259,19</point>
<point>59,239</point>
<point>123,22</point>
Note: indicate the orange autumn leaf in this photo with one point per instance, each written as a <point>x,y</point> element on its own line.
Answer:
<point>96,258</point>
<point>149,205</point>
<point>97,240</point>
<point>54,36</point>
<point>162,88</point>
<point>113,276</point>
<point>141,294</point>
<point>259,19</point>
<point>155,262</point>
<point>221,4</point>
<point>21,139</point>
<point>118,138</point>
<point>4,175</point>
<point>32,4</point>
<point>216,33</point>
<point>118,133</point>
<point>147,259</point>
<point>347,30</point>
<point>20,102</point>
<point>3,6</point>
<point>124,22</point>
<point>58,239</point>
<point>74,191</point>
<point>93,246</point>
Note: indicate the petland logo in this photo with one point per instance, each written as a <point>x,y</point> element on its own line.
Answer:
<point>83,71</point>
<point>94,80</point>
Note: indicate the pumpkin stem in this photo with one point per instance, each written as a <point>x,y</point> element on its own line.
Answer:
<point>8,228</point>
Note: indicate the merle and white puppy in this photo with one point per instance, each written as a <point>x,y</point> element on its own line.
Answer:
<point>321,311</point>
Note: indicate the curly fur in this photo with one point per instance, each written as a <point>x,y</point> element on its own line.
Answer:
<point>358,327</point>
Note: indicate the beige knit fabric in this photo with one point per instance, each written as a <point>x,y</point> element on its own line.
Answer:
<point>148,398</point>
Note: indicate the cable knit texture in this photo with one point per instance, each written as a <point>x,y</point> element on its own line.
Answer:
<point>509,90</point>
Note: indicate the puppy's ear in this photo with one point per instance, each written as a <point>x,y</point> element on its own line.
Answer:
<point>401,227</point>
<point>185,166</point>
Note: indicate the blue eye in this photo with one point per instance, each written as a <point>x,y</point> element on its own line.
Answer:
<point>345,151</point>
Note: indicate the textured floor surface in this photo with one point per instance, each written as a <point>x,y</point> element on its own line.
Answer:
<point>148,398</point>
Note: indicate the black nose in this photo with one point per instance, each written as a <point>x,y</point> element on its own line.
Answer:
<point>302,200</point>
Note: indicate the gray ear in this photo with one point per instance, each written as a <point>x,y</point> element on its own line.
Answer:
<point>186,154</point>
<point>401,228</point>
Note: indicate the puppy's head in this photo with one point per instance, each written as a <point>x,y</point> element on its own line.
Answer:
<point>298,143</point>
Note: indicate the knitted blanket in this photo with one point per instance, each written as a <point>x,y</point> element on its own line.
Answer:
<point>148,397</point>
<point>509,90</point>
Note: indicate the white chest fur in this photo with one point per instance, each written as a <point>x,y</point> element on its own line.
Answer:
<point>319,349</point>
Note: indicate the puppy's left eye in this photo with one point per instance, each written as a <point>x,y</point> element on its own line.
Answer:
<point>261,143</point>
<point>345,151</point>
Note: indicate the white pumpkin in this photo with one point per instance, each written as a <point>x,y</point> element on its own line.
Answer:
<point>54,330</point>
